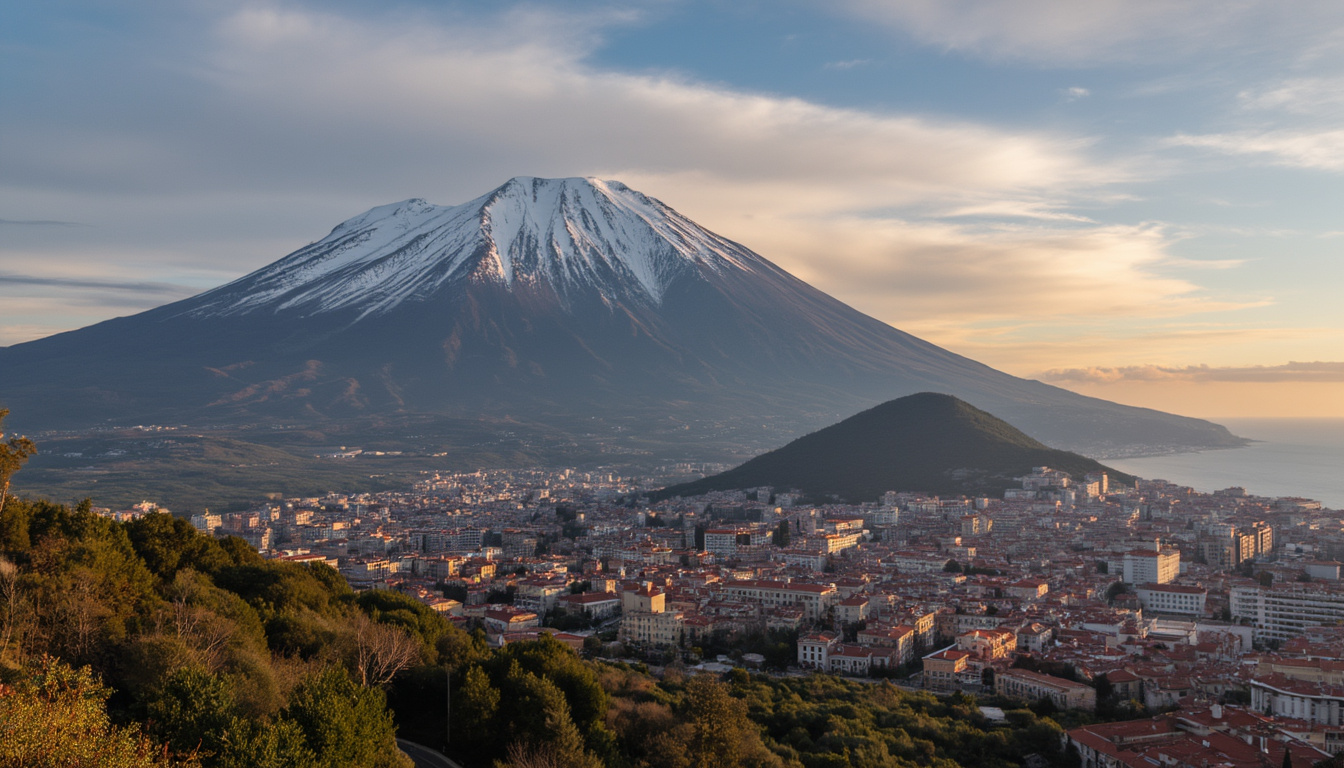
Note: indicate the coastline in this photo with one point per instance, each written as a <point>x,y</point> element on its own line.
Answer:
<point>1283,457</point>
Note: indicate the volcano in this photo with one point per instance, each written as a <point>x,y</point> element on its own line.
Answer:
<point>551,300</point>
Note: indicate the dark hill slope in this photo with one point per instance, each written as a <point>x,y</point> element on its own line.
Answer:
<point>923,442</point>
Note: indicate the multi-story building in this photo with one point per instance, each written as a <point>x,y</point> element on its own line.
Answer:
<point>1030,686</point>
<point>881,517</point>
<point>1279,612</point>
<point>1214,736</point>
<point>832,543</point>
<point>814,650</point>
<point>1151,566</point>
<point>900,638</point>
<point>206,522</point>
<point>814,599</point>
<point>662,628</point>
<point>506,618</point>
<point>1319,703</point>
<point>595,605</point>
<point>1028,589</point>
<point>539,593</point>
<point>852,609</point>
<point>1173,598</point>
<point>943,669</point>
<point>725,541</point>
<point>974,525</point>
<point>645,618</point>
<point>988,644</point>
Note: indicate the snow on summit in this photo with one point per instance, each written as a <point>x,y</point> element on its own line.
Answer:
<point>561,234</point>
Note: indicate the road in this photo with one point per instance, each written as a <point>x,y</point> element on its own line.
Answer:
<point>424,757</point>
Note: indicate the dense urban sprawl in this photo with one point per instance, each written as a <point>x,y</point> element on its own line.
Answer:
<point>1222,612</point>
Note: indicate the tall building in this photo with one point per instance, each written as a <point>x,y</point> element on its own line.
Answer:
<point>1282,611</point>
<point>1147,566</point>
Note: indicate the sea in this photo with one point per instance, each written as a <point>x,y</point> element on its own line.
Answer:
<point>1290,457</point>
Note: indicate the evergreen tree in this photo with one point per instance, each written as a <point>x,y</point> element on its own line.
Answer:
<point>343,724</point>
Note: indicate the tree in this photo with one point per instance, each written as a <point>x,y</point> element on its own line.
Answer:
<point>475,704</point>
<point>381,651</point>
<point>1266,578</point>
<point>192,711</point>
<point>343,724</point>
<point>13,454</point>
<point>277,744</point>
<point>781,538</point>
<point>9,602</point>
<point>952,566</point>
<point>564,748</point>
<point>58,717</point>
<point>721,734</point>
<point>1104,687</point>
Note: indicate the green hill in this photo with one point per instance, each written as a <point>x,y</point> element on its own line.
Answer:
<point>925,442</point>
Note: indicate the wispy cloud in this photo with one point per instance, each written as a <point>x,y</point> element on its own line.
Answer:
<point>1075,93</point>
<point>1297,95</point>
<point>1071,34</point>
<point>38,223</point>
<point>1327,372</point>
<point>850,64</point>
<point>1320,150</point>
<point>130,286</point>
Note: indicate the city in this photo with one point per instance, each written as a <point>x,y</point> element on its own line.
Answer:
<point>1224,609</point>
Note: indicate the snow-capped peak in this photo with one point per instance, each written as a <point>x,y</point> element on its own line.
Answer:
<point>566,233</point>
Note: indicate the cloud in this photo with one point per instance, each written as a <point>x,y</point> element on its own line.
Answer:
<point>100,285</point>
<point>843,65</point>
<point>1318,150</point>
<point>1315,372</point>
<point>466,100</point>
<point>284,121</point>
<point>1299,95</point>
<point>915,273</point>
<point>1072,34</point>
<point>1075,93</point>
<point>38,223</point>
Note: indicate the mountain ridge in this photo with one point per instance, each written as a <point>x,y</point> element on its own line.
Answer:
<point>412,309</point>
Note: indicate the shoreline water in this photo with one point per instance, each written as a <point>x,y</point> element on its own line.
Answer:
<point>1290,457</point>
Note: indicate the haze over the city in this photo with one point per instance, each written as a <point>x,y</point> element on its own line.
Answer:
<point>1137,201</point>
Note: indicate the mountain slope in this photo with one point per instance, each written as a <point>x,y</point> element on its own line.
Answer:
<point>923,442</point>
<point>566,302</point>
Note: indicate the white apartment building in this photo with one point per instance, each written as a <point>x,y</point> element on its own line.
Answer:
<point>1148,566</point>
<point>663,628</point>
<point>1283,611</point>
<point>1172,598</point>
<point>1301,700</point>
<point>814,599</point>
<point>832,543</point>
<point>814,650</point>
<point>646,620</point>
<point>725,541</point>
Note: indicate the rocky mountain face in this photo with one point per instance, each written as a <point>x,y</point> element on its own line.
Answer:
<point>550,300</point>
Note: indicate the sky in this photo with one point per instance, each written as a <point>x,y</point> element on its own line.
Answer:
<point>1135,199</point>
